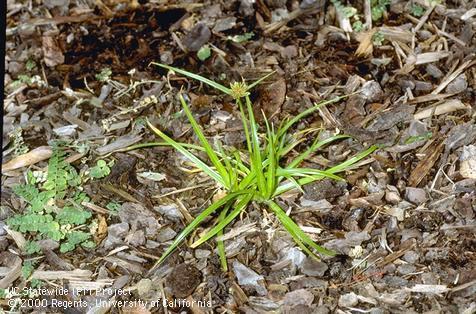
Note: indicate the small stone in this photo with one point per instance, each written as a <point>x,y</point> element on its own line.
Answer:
<point>224,24</point>
<point>144,286</point>
<point>423,86</point>
<point>411,257</point>
<point>118,230</point>
<point>202,253</point>
<point>67,130</point>
<point>279,15</point>
<point>395,281</point>
<point>468,162</point>
<point>136,238</point>
<point>115,234</point>
<point>2,228</point>
<point>197,37</point>
<point>312,267</point>
<point>167,57</point>
<point>289,52</point>
<point>458,85</point>
<point>309,4</point>
<point>166,234</point>
<point>151,244</point>
<point>415,195</point>
<point>424,34</point>
<point>48,244</point>
<point>298,297</point>
<point>296,256</point>
<point>248,277</point>
<point>376,310</point>
<point>372,91</point>
<point>246,7</point>
<point>406,269</point>
<point>392,195</point>
<point>56,3</point>
<point>434,71</point>
<point>348,300</point>
<point>321,309</point>
<point>171,211</point>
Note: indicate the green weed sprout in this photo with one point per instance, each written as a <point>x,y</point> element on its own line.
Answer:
<point>261,176</point>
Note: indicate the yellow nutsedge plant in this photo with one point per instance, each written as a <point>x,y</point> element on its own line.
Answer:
<point>258,175</point>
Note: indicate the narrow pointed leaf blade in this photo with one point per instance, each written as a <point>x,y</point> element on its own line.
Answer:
<point>197,77</point>
<point>204,214</point>
<point>316,145</point>
<point>208,148</point>
<point>297,230</point>
<point>349,162</point>
<point>260,80</point>
<point>240,206</point>
<point>200,164</point>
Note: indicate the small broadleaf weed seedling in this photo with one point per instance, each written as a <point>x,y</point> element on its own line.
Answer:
<point>417,10</point>
<point>379,7</point>
<point>101,170</point>
<point>347,11</point>
<point>260,176</point>
<point>378,39</point>
<point>53,210</point>
<point>204,53</point>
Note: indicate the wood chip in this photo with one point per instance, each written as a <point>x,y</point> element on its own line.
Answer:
<point>469,14</point>
<point>428,98</point>
<point>119,143</point>
<point>86,285</point>
<point>248,228</point>
<point>32,157</point>
<point>435,289</point>
<point>77,274</point>
<point>396,34</point>
<point>425,165</point>
<point>445,107</point>
<point>12,275</point>
<point>450,77</point>
<point>129,266</point>
<point>17,237</point>
<point>366,46</point>
<point>52,53</point>
<point>429,57</point>
<point>406,246</point>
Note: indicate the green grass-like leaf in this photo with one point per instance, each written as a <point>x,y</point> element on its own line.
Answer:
<point>258,175</point>
<point>197,77</point>
<point>207,212</point>
<point>208,148</point>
